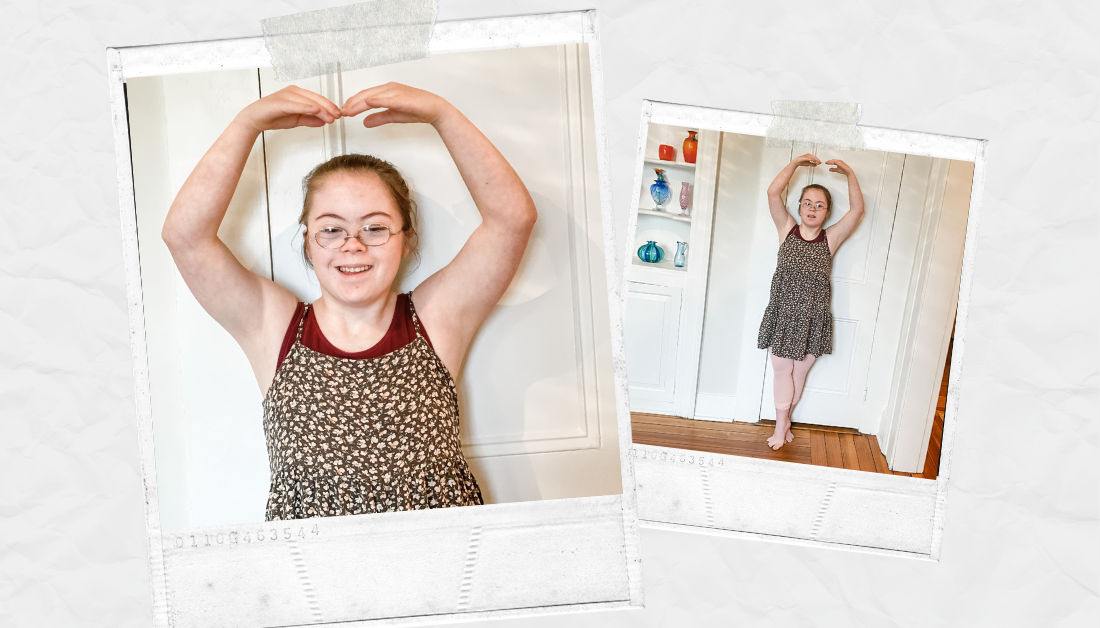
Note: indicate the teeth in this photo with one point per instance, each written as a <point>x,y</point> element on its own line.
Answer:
<point>353,269</point>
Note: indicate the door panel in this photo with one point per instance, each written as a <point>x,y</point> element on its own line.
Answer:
<point>651,334</point>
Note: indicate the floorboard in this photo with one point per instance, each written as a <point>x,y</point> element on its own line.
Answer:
<point>820,445</point>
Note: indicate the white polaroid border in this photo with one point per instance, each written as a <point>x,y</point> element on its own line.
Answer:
<point>800,504</point>
<point>436,566</point>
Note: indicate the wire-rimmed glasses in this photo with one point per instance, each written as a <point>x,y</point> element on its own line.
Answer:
<point>336,237</point>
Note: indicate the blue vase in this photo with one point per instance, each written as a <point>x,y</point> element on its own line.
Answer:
<point>660,190</point>
<point>651,253</point>
<point>681,254</point>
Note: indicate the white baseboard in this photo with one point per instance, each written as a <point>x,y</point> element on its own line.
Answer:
<point>715,407</point>
<point>646,406</point>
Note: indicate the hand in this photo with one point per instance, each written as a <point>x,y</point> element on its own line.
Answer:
<point>841,167</point>
<point>806,160</point>
<point>402,104</point>
<point>288,108</point>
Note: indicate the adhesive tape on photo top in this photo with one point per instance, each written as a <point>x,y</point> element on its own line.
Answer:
<point>801,123</point>
<point>349,38</point>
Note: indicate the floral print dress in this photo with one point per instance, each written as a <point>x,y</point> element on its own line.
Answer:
<point>347,436</point>
<point>799,320</point>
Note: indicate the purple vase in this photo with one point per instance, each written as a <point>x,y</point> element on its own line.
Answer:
<point>684,199</point>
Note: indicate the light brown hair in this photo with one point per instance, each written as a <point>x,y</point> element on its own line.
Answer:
<point>363,164</point>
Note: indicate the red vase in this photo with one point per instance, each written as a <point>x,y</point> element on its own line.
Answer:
<point>666,152</point>
<point>691,146</point>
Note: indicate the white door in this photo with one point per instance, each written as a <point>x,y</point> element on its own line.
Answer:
<point>836,386</point>
<point>651,330</point>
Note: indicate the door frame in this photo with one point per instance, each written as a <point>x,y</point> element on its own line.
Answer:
<point>693,300</point>
<point>904,424</point>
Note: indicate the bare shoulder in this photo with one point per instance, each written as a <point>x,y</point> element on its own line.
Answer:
<point>423,301</point>
<point>785,228</point>
<point>272,321</point>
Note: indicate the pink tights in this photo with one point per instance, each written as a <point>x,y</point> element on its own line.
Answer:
<point>790,377</point>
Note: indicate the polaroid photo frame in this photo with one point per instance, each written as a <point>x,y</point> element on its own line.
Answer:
<point>733,495</point>
<point>525,552</point>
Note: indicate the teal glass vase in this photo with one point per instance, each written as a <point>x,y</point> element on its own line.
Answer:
<point>651,253</point>
<point>680,258</point>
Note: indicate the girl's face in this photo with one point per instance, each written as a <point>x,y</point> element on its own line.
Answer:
<point>355,273</point>
<point>813,208</point>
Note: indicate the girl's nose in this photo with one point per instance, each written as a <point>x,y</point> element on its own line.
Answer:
<point>354,243</point>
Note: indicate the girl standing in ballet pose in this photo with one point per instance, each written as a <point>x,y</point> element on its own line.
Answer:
<point>798,322</point>
<point>360,406</point>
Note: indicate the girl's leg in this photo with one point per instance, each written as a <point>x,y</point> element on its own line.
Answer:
<point>783,385</point>
<point>801,370</point>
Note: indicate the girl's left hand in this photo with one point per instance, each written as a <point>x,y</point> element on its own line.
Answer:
<point>402,104</point>
<point>841,167</point>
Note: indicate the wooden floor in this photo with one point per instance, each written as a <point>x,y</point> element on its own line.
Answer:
<point>813,444</point>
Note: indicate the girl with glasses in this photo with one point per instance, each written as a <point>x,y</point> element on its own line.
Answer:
<point>798,322</point>
<point>360,407</point>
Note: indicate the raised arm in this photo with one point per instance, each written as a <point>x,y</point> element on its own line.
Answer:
<point>844,227</point>
<point>456,300</point>
<point>782,218</point>
<point>253,309</point>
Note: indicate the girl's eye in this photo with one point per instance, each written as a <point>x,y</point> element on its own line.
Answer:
<point>330,230</point>
<point>376,228</point>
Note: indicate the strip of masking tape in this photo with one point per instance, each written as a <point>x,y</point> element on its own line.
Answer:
<point>801,123</point>
<point>357,36</point>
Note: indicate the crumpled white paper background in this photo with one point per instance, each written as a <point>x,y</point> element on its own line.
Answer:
<point>1021,539</point>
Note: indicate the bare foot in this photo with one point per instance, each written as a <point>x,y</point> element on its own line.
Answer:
<point>775,441</point>
<point>782,434</point>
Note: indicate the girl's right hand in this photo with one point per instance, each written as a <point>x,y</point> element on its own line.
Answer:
<point>806,160</point>
<point>288,108</point>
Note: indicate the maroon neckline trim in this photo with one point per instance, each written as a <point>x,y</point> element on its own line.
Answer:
<point>326,347</point>
<point>795,230</point>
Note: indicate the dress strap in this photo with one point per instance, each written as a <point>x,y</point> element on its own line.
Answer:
<point>302,321</point>
<point>412,310</point>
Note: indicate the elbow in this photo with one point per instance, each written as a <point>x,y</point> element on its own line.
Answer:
<point>174,235</point>
<point>525,221</point>
<point>169,234</point>
<point>530,215</point>
<point>525,215</point>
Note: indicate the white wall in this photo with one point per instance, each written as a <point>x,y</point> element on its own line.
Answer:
<point>206,404</point>
<point>735,214</point>
<point>152,189</point>
<point>1020,543</point>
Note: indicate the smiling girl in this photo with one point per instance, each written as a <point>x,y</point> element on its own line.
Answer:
<point>360,407</point>
<point>798,322</point>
